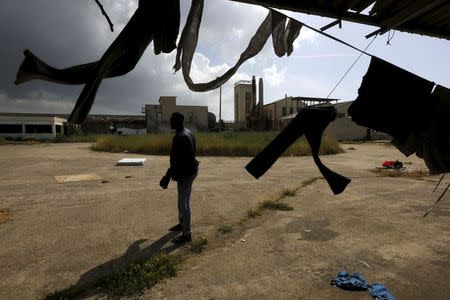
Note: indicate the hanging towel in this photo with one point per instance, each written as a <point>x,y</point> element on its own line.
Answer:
<point>274,24</point>
<point>310,121</point>
<point>157,20</point>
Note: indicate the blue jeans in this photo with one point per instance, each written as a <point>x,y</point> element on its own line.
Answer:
<point>184,185</point>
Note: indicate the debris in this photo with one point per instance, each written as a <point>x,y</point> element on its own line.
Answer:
<point>307,230</point>
<point>366,264</point>
<point>131,162</point>
<point>390,164</point>
<point>76,178</point>
<point>242,240</point>
<point>128,176</point>
<point>5,215</point>
<point>105,181</point>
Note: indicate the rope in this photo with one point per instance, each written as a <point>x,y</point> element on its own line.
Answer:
<point>351,67</point>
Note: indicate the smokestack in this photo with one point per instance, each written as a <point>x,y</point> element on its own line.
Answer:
<point>253,91</point>
<point>261,92</point>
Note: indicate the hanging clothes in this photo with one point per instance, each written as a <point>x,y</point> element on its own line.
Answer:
<point>400,103</point>
<point>274,24</point>
<point>310,121</point>
<point>158,21</point>
<point>433,141</point>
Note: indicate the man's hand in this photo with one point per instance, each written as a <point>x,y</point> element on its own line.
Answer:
<point>164,183</point>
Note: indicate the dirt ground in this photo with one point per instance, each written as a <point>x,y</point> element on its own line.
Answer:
<point>63,234</point>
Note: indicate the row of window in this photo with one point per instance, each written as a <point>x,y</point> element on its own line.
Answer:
<point>291,111</point>
<point>17,128</point>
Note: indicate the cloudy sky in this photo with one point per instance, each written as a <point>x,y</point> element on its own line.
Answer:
<point>68,32</point>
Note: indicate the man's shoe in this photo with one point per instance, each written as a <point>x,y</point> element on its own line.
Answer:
<point>177,227</point>
<point>182,239</point>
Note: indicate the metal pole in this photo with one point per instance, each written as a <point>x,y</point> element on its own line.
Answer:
<point>220,108</point>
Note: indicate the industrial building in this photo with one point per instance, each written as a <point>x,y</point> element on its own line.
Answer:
<point>158,115</point>
<point>247,113</point>
<point>34,126</point>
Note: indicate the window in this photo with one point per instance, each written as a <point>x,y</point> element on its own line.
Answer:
<point>283,111</point>
<point>38,128</point>
<point>10,128</point>
<point>291,110</point>
<point>59,129</point>
<point>158,117</point>
<point>248,103</point>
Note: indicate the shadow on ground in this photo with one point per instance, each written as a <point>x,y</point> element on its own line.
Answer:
<point>90,283</point>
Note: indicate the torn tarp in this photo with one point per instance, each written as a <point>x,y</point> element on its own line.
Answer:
<point>310,121</point>
<point>153,20</point>
<point>417,119</point>
<point>274,24</point>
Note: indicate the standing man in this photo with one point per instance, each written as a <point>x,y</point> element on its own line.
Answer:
<point>183,169</point>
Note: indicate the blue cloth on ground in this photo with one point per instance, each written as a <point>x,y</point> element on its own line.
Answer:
<point>379,291</point>
<point>355,282</point>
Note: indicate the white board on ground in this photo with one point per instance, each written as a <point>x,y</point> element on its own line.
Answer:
<point>131,162</point>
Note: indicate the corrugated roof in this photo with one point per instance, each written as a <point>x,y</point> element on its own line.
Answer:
<point>426,17</point>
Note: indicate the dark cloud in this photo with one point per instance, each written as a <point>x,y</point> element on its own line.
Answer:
<point>64,33</point>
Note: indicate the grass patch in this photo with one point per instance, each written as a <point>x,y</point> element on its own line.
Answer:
<point>225,229</point>
<point>143,275</point>
<point>211,144</point>
<point>288,193</point>
<point>275,205</point>
<point>197,246</point>
<point>309,181</point>
<point>253,213</point>
<point>132,280</point>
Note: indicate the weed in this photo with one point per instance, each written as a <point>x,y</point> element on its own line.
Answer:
<point>309,181</point>
<point>132,280</point>
<point>288,193</point>
<point>211,144</point>
<point>253,213</point>
<point>197,246</point>
<point>142,275</point>
<point>274,205</point>
<point>224,229</point>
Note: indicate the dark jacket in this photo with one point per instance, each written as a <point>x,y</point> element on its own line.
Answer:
<point>182,155</point>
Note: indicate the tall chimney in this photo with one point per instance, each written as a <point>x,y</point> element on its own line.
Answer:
<point>253,91</point>
<point>261,92</point>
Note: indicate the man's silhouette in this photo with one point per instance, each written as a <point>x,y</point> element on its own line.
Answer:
<point>183,169</point>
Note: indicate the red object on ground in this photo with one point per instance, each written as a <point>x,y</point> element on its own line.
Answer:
<point>388,164</point>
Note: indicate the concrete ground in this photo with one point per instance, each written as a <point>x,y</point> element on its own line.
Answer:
<point>63,234</point>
